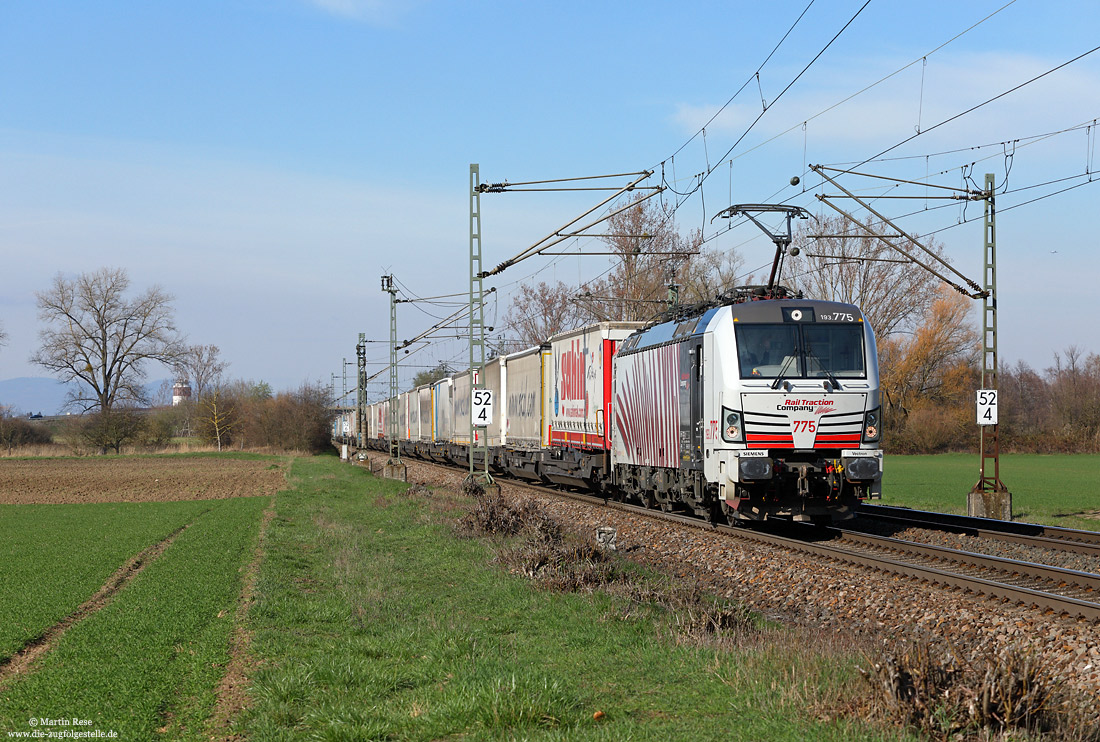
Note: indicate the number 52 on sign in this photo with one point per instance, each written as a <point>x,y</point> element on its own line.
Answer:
<point>987,407</point>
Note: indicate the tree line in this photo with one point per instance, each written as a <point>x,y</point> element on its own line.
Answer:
<point>241,414</point>
<point>100,339</point>
<point>928,342</point>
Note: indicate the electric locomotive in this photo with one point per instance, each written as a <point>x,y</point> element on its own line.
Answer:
<point>760,408</point>
<point>763,405</point>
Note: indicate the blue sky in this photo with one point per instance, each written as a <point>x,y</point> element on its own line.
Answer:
<point>266,161</point>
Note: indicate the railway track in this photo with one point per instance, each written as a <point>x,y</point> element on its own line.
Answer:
<point>1028,534</point>
<point>1041,587</point>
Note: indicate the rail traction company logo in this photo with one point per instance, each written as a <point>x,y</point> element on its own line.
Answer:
<point>816,406</point>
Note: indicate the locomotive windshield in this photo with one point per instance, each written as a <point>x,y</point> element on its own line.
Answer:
<point>810,351</point>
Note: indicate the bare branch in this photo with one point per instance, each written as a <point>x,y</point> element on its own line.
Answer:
<point>851,268</point>
<point>101,340</point>
<point>202,366</point>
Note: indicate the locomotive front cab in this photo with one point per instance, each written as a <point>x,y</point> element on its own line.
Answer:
<point>799,411</point>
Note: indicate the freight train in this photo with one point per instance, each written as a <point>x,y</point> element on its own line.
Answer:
<point>751,409</point>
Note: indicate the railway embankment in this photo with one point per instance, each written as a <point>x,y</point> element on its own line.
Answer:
<point>378,615</point>
<point>880,618</point>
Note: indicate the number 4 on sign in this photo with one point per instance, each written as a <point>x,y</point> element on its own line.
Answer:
<point>482,407</point>
<point>987,407</point>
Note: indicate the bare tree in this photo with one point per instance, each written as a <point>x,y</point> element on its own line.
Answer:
<point>101,339</point>
<point>539,311</point>
<point>708,274</point>
<point>162,397</point>
<point>652,256</point>
<point>202,366</point>
<point>854,268</point>
<point>218,417</point>
<point>1025,398</point>
<point>1074,383</point>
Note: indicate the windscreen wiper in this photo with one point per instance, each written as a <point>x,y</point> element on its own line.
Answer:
<point>820,364</point>
<point>783,369</point>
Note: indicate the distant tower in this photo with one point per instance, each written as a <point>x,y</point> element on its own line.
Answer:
<point>181,392</point>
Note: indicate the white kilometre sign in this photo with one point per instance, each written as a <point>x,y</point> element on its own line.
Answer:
<point>482,407</point>
<point>987,407</point>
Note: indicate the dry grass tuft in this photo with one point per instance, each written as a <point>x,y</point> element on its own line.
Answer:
<point>418,490</point>
<point>1005,691</point>
<point>496,515</point>
<point>702,619</point>
<point>544,554</point>
<point>537,548</point>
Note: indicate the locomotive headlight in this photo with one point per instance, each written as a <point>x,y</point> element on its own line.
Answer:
<point>755,468</point>
<point>862,468</point>
<point>871,427</point>
<point>862,464</point>
<point>732,429</point>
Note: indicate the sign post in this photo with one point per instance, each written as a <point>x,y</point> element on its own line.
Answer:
<point>989,498</point>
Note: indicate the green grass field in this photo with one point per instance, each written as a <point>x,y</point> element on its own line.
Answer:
<point>152,657</point>
<point>78,547</point>
<point>1055,490</point>
<point>373,621</point>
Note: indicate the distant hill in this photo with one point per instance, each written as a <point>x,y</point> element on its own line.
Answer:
<point>31,395</point>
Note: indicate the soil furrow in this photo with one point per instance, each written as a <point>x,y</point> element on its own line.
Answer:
<point>232,692</point>
<point>21,661</point>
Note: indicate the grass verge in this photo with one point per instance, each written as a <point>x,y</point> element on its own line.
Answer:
<point>373,621</point>
<point>1060,489</point>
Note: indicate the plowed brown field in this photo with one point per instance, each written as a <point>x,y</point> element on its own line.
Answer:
<point>141,479</point>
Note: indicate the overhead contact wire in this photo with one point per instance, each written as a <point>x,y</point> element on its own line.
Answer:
<point>980,105</point>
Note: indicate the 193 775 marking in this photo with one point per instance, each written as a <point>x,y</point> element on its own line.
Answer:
<point>836,317</point>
